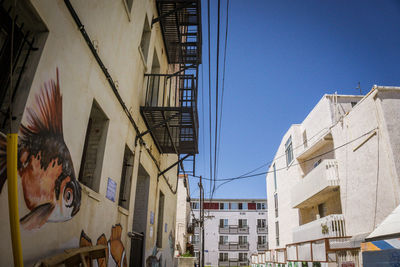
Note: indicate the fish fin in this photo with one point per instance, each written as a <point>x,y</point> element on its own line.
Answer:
<point>37,217</point>
<point>3,160</point>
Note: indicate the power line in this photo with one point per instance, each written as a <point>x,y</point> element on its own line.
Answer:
<point>223,80</point>
<point>209,89</point>
<point>216,98</point>
<point>294,164</point>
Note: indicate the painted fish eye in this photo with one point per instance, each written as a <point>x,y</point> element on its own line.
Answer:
<point>68,197</point>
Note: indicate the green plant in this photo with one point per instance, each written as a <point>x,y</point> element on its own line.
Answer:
<point>324,229</point>
<point>187,254</point>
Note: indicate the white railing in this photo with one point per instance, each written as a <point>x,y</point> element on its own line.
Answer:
<point>323,176</point>
<point>330,226</point>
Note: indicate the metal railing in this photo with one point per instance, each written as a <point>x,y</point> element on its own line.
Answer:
<point>262,230</point>
<point>233,246</point>
<point>263,246</point>
<point>233,262</point>
<point>165,90</point>
<point>234,229</point>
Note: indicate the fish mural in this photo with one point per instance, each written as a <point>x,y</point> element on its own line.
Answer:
<point>115,252</point>
<point>50,188</point>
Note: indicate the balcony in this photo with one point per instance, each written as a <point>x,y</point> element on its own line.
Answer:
<point>262,230</point>
<point>180,22</point>
<point>262,247</point>
<point>233,246</point>
<point>170,112</point>
<point>233,262</point>
<point>234,229</point>
<point>330,226</point>
<point>315,144</point>
<point>317,186</point>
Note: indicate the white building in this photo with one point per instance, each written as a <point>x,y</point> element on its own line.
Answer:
<point>182,215</point>
<point>334,179</point>
<point>234,229</point>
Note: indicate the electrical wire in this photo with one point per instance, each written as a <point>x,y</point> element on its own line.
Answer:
<point>209,89</point>
<point>216,98</point>
<point>223,82</point>
<point>294,164</point>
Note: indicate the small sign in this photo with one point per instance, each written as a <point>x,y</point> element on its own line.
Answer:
<point>111,189</point>
<point>166,227</point>
<point>151,231</point>
<point>348,264</point>
<point>151,217</point>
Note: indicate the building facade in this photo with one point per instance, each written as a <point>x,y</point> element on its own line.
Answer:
<point>334,179</point>
<point>183,227</point>
<point>234,229</point>
<point>103,95</point>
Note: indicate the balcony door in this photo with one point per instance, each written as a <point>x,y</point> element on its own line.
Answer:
<point>242,240</point>
<point>223,223</point>
<point>242,223</point>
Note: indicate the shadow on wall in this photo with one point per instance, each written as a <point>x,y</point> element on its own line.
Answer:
<point>115,252</point>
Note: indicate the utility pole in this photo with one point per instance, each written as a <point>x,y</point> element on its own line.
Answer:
<point>201,261</point>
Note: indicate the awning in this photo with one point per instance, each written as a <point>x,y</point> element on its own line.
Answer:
<point>389,228</point>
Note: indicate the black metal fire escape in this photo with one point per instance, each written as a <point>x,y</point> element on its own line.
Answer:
<point>170,110</point>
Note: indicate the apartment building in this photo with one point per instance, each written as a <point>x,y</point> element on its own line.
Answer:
<point>183,226</point>
<point>334,179</point>
<point>234,229</point>
<point>104,96</point>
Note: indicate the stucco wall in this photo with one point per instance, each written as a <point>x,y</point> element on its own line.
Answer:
<point>81,80</point>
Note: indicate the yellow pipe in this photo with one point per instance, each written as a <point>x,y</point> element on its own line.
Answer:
<point>12,159</point>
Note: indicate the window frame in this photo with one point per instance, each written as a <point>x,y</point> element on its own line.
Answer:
<point>289,151</point>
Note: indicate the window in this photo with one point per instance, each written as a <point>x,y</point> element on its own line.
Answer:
<point>195,205</point>
<point>160,221</point>
<point>322,210</point>
<point>224,206</point>
<point>289,151</point>
<point>276,205</point>
<point>145,41</point>
<point>234,206</point>
<point>223,223</point>
<point>261,206</point>
<point>196,254</point>
<point>277,233</point>
<point>223,239</point>
<point>223,256</point>
<point>242,256</point>
<point>126,179</point>
<point>93,149</point>
<point>196,239</point>
<point>242,223</point>
<point>261,240</point>
<point>305,139</point>
<point>242,239</point>
<point>275,184</point>
<point>261,223</point>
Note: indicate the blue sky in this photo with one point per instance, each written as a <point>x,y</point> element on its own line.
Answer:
<point>282,56</point>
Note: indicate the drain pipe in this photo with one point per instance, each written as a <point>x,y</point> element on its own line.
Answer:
<point>81,28</point>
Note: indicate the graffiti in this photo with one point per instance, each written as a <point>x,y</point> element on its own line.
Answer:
<point>153,260</point>
<point>115,251</point>
<point>171,241</point>
<point>51,191</point>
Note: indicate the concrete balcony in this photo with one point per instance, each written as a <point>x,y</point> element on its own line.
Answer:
<point>317,185</point>
<point>262,247</point>
<point>314,145</point>
<point>233,246</point>
<point>234,229</point>
<point>262,230</point>
<point>330,226</point>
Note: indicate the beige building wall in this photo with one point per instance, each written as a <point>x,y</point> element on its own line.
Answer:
<point>359,133</point>
<point>182,214</point>
<point>116,35</point>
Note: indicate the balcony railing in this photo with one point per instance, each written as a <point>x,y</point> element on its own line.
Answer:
<point>262,230</point>
<point>330,226</point>
<point>233,246</point>
<point>234,229</point>
<point>170,112</point>
<point>233,262</point>
<point>316,185</point>
<point>262,246</point>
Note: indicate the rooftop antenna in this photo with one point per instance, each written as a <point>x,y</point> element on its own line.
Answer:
<point>359,87</point>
